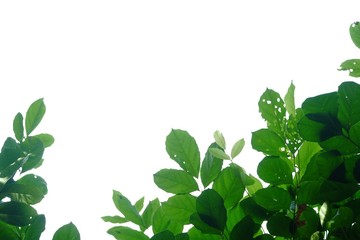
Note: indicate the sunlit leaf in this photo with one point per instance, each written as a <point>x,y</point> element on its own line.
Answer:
<point>175,181</point>
<point>182,148</point>
<point>237,148</point>
<point>289,100</point>
<point>219,139</point>
<point>219,153</point>
<point>34,115</point>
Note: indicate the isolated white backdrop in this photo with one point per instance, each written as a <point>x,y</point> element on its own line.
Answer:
<point>116,76</point>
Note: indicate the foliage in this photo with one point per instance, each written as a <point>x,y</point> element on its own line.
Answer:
<point>308,186</point>
<point>19,192</point>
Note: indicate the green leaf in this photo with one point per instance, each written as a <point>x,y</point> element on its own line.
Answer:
<point>352,66</point>
<point>182,236</point>
<point>149,212</point>
<point>273,198</point>
<point>10,153</point>
<point>17,214</point>
<point>234,215</point>
<point>229,185</point>
<point>210,167</point>
<point>268,142</point>
<point>307,222</point>
<point>139,204</point>
<point>125,233</point>
<point>195,234</point>
<point>219,153</point>
<point>324,103</point>
<point>46,139</point>
<point>205,228</point>
<point>68,232</point>
<point>306,152</point>
<point>211,209</point>
<point>182,148</point>
<point>34,115</point>
<point>280,225</point>
<point>8,173</point>
<point>354,133</point>
<point>34,147</point>
<point>219,139</point>
<point>272,109</point>
<point>342,219</point>
<point>275,171</point>
<point>164,235</point>
<point>114,219</point>
<point>355,33</point>
<point>18,127</point>
<point>175,181</point>
<point>237,148</point>
<point>8,232</point>
<point>289,100</point>
<point>179,208</point>
<point>161,223</point>
<point>257,212</point>
<point>349,104</point>
<point>126,208</point>
<point>244,230</point>
<point>341,144</point>
<point>29,189</point>
<point>36,228</point>
<point>255,186</point>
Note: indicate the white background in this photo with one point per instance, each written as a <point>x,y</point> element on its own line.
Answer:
<point>116,76</point>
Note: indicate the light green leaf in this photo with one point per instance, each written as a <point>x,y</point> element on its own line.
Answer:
<point>272,109</point>
<point>273,198</point>
<point>18,127</point>
<point>219,153</point>
<point>175,181</point>
<point>255,186</point>
<point>36,228</point>
<point>289,100</point>
<point>125,233</point>
<point>161,223</point>
<point>149,212</point>
<point>352,66</point>
<point>275,171</point>
<point>34,147</point>
<point>180,207</point>
<point>17,214</point>
<point>210,167</point>
<point>219,139</point>
<point>229,185</point>
<point>195,234</point>
<point>139,204</point>
<point>349,104</point>
<point>355,33</point>
<point>182,148</point>
<point>34,115</point>
<point>114,219</point>
<point>126,208</point>
<point>268,142</point>
<point>46,139</point>
<point>237,148</point>
<point>306,152</point>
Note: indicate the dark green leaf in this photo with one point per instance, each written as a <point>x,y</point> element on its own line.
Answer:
<point>179,208</point>
<point>126,208</point>
<point>175,181</point>
<point>251,208</point>
<point>349,104</point>
<point>34,115</point>
<point>17,214</point>
<point>354,133</point>
<point>10,152</point>
<point>219,153</point>
<point>29,189</point>
<point>219,139</point>
<point>8,173</point>
<point>351,65</point>
<point>125,233</point>
<point>165,235</point>
<point>211,209</point>
<point>244,230</point>
<point>149,212</point>
<point>272,109</point>
<point>34,147</point>
<point>280,225</point>
<point>307,222</point>
<point>289,100</point>
<point>68,232</point>
<point>182,148</point>
<point>36,228</point>
<point>264,237</point>
<point>237,148</point>
<point>273,198</point>
<point>275,171</point>
<point>210,167</point>
<point>46,139</point>
<point>182,236</point>
<point>234,215</point>
<point>229,185</point>
<point>268,142</point>
<point>205,228</point>
<point>355,33</point>
<point>342,219</point>
<point>114,219</point>
<point>324,103</point>
<point>18,127</point>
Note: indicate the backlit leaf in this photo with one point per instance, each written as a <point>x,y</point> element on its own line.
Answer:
<point>355,33</point>
<point>352,66</point>
<point>289,100</point>
<point>219,139</point>
<point>273,198</point>
<point>34,115</point>
<point>149,212</point>
<point>175,181</point>
<point>114,219</point>
<point>275,171</point>
<point>46,139</point>
<point>237,148</point>
<point>125,233</point>
<point>18,127</point>
<point>210,167</point>
<point>126,208</point>
<point>219,153</point>
<point>180,207</point>
<point>268,142</point>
